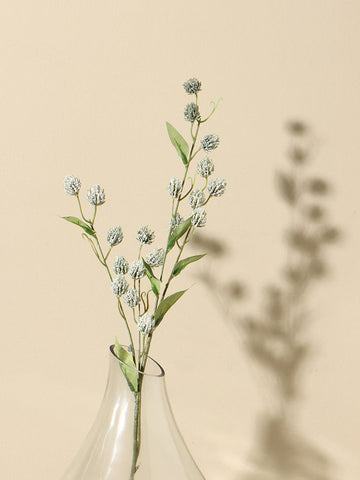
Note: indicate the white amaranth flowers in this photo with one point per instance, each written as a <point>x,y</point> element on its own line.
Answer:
<point>205,167</point>
<point>119,285</point>
<point>210,142</point>
<point>137,270</point>
<point>192,86</point>
<point>132,298</point>
<point>146,324</point>
<point>156,257</point>
<point>175,221</point>
<point>145,235</point>
<point>216,188</point>
<point>197,198</point>
<point>115,236</point>
<point>198,218</point>
<point>191,112</point>
<point>174,187</point>
<point>120,265</point>
<point>96,195</point>
<point>72,185</point>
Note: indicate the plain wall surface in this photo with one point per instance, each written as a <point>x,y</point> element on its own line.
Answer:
<point>86,89</point>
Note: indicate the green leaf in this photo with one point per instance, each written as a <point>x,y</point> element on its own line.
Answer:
<point>183,263</point>
<point>155,282</point>
<point>81,224</point>
<point>127,366</point>
<point>178,232</point>
<point>179,143</point>
<point>167,303</point>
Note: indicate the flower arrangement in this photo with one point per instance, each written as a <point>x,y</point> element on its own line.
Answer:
<point>141,294</point>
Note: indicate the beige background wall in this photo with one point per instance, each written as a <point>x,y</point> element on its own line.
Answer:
<point>86,88</point>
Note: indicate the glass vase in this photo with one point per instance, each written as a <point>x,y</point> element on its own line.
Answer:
<point>134,436</point>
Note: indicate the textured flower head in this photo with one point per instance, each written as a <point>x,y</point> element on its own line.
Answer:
<point>210,142</point>
<point>191,112</point>
<point>132,298</point>
<point>115,236</point>
<point>156,257</point>
<point>119,285</point>
<point>145,235</point>
<point>197,198</point>
<point>137,270</point>
<point>175,221</point>
<point>121,266</point>
<point>192,86</point>
<point>205,167</point>
<point>146,324</point>
<point>198,218</point>
<point>96,195</point>
<point>72,185</point>
<point>175,187</point>
<point>216,188</point>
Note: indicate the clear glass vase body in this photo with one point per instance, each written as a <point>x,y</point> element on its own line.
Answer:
<point>108,450</point>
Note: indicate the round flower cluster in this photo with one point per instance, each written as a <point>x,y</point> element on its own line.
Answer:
<point>191,112</point>
<point>198,218</point>
<point>156,257</point>
<point>96,195</point>
<point>192,86</point>
<point>175,187</point>
<point>205,167</point>
<point>115,236</point>
<point>121,266</point>
<point>216,188</point>
<point>132,298</point>
<point>209,142</point>
<point>175,221</point>
<point>197,198</point>
<point>137,270</point>
<point>145,235</point>
<point>146,324</point>
<point>119,285</point>
<point>72,185</point>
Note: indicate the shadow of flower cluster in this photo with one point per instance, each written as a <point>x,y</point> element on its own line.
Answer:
<point>275,339</point>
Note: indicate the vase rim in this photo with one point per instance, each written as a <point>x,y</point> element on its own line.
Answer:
<point>157,365</point>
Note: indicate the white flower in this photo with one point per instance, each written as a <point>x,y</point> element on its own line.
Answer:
<point>96,195</point>
<point>120,265</point>
<point>145,235</point>
<point>175,187</point>
<point>210,142</point>
<point>205,167</point>
<point>137,270</point>
<point>198,218</point>
<point>114,236</point>
<point>191,86</point>
<point>146,324</point>
<point>197,198</point>
<point>191,112</point>
<point>175,221</point>
<point>119,285</point>
<point>72,185</point>
<point>216,188</point>
<point>132,298</point>
<point>156,257</point>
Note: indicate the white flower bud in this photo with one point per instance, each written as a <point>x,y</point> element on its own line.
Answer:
<point>210,142</point>
<point>72,185</point>
<point>96,195</point>
<point>145,235</point>
<point>156,257</point>
<point>205,167</point>
<point>115,236</point>
<point>132,298</point>
<point>216,188</point>
<point>137,270</point>
<point>191,112</point>
<point>120,266</point>
<point>175,187</point>
<point>119,285</point>
<point>146,324</point>
<point>191,86</point>
<point>198,218</point>
<point>175,221</point>
<point>197,198</point>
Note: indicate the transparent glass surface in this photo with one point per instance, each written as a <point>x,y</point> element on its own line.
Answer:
<point>108,450</point>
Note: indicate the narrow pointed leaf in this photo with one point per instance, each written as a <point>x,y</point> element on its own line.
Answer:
<point>80,223</point>
<point>184,263</point>
<point>127,366</point>
<point>155,282</point>
<point>167,303</point>
<point>178,232</point>
<point>179,143</point>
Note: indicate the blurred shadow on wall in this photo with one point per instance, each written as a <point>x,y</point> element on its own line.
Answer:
<point>275,338</point>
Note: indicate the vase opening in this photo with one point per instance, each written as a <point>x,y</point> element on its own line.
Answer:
<point>153,368</point>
